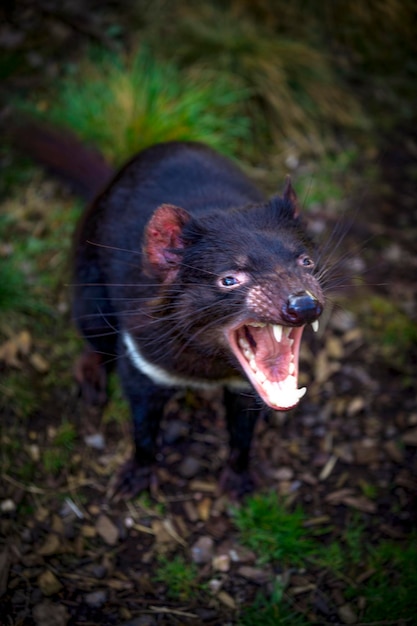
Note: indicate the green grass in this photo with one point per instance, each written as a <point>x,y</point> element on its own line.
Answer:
<point>178,576</point>
<point>268,612</point>
<point>125,103</point>
<point>388,327</point>
<point>274,532</point>
<point>390,593</point>
<point>298,97</point>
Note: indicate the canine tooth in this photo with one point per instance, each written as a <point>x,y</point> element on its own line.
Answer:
<point>277,330</point>
<point>287,330</point>
<point>315,325</point>
<point>301,392</point>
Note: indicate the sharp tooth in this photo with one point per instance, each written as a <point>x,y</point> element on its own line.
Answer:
<point>260,376</point>
<point>244,343</point>
<point>252,365</point>
<point>301,392</point>
<point>277,330</point>
<point>287,330</point>
<point>290,382</point>
<point>315,325</point>
<point>291,368</point>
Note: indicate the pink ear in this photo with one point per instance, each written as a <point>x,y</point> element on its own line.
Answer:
<point>290,195</point>
<point>162,236</point>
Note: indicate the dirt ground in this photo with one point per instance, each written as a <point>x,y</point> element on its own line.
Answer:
<point>71,556</point>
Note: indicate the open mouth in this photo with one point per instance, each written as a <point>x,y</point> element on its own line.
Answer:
<point>268,354</point>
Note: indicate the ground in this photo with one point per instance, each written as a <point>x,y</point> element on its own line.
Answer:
<point>70,555</point>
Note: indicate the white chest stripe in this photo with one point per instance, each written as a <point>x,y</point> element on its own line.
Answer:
<point>161,377</point>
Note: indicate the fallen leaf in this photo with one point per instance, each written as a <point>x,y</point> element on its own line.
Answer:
<point>39,363</point>
<point>410,437</point>
<point>49,583</point>
<point>360,503</point>
<point>49,613</point>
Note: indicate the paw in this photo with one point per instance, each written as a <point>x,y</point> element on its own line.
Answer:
<point>131,480</point>
<point>237,484</point>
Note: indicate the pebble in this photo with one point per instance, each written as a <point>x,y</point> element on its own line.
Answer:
<point>96,598</point>
<point>202,550</point>
<point>189,467</point>
<point>107,530</point>
<point>221,563</point>
<point>254,574</point>
<point>175,430</point>
<point>95,441</point>
<point>7,506</point>
<point>347,614</point>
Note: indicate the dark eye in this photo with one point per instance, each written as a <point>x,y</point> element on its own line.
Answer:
<point>229,281</point>
<point>305,261</point>
<point>233,281</point>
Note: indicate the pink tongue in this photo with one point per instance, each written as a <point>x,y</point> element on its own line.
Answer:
<point>271,357</point>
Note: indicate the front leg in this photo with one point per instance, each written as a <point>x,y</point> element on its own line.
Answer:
<point>147,402</point>
<point>242,412</point>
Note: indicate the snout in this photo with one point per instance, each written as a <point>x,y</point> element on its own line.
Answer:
<point>301,308</point>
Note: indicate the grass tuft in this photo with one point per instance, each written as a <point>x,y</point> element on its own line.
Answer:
<point>273,531</point>
<point>178,576</point>
<point>124,104</point>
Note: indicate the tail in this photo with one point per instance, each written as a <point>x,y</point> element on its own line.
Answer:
<point>60,152</point>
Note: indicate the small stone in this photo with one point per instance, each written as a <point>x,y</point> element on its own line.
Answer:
<point>204,508</point>
<point>254,574</point>
<point>107,530</point>
<point>34,452</point>
<point>99,571</point>
<point>202,550</point>
<point>95,441</point>
<point>366,451</point>
<point>215,585</point>
<point>283,473</point>
<point>7,506</point>
<point>189,467</point>
<point>347,614</point>
<point>221,563</point>
<point>175,430</point>
<point>95,599</point>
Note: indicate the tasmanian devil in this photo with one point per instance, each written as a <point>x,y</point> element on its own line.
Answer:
<point>186,276</point>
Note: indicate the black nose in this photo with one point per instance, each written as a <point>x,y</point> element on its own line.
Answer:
<point>301,308</point>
